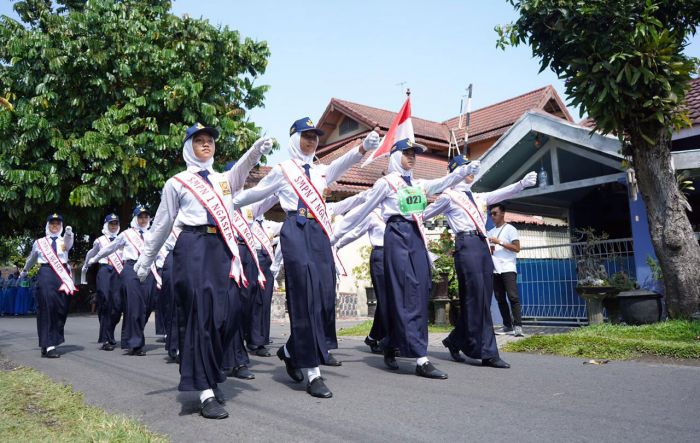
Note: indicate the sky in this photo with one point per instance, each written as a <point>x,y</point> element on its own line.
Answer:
<point>370,51</point>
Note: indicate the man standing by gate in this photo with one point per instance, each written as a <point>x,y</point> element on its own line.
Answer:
<point>505,246</point>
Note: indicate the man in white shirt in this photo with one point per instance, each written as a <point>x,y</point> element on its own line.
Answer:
<point>505,245</point>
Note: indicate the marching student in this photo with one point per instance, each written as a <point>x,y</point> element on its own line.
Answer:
<point>406,263</point>
<point>54,284</point>
<point>166,305</point>
<point>136,295</point>
<point>308,258</point>
<point>466,215</point>
<point>206,268</point>
<point>108,283</point>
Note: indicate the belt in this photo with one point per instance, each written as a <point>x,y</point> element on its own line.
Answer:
<point>203,229</point>
<point>473,233</point>
<point>302,212</point>
<point>398,218</point>
<point>48,265</point>
<point>378,247</point>
<point>130,262</point>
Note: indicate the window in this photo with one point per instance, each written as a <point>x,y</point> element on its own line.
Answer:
<point>347,125</point>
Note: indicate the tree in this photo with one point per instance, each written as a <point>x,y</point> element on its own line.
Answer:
<point>96,99</point>
<point>623,63</point>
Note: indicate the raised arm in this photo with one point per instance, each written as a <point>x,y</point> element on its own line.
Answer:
<point>509,191</point>
<point>31,260</point>
<point>68,238</point>
<point>260,208</point>
<point>343,206</point>
<point>437,207</point>
<point>237,175</point>
<point>267,186</point>
<point>375,196</point>
<point>104,252</point>
<point>355,233</point>
<point>342,164</point>
<point>162,224</point>
<point>438,185</point>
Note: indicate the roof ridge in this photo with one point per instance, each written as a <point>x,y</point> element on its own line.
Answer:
<point>504,101</point>
<point>385,110</point>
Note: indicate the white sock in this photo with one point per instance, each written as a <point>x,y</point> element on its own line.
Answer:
<point>286,352</point>
<point>370,337</point>
<point>205,394</point>
<point>420,361</point>
<point>50,348</point>
<point>312,373</point>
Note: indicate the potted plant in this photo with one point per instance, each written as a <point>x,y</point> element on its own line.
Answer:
<point>593,283</point>
<point>640,306</point>
<point>361,274</point>
<point>443,277</point>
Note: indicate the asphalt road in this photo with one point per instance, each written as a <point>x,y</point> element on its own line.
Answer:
<point>539,398</point>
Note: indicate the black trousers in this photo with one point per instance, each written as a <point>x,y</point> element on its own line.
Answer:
<point>376,270</point>
<point>108,302</point>
<point>51,308</point>
<point>505,284</point>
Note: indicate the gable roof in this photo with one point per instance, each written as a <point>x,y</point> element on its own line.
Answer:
<point>692,101</point>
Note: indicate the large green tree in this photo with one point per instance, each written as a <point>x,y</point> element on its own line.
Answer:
<point>96,99</point>
<point>624,64</point>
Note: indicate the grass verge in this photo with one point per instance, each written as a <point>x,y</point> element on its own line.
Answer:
<point>362,329</point>
<point>671,339</point>
<point>35,408</point>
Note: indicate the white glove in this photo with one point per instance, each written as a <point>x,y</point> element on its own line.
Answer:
<point>141,270</point>
<point>263,145</point>
<point>371,142</point>
<point>529,180</point>
<point>23,274</point>
<point>69,230</point>
<point>473,167</point>
<point>84,269</point>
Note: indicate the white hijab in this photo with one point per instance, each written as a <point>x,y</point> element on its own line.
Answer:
<point>107,233</point>
<point>395,165</point>
<point>192,161</point>
<point>135,224</point>
<point>50,234</point>
<point>295,150</point>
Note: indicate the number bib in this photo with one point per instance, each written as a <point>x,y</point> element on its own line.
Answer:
<point>412,200</point>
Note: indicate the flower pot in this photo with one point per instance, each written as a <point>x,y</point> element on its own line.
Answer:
<point>371,301</point>
<point>594,296</point>
<point>640,307</point>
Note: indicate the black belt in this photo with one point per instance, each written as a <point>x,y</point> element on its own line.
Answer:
<point>377,247</point>
<point>46,264</point>
<point>302,212</point>
<point>203,229</point>
<point>473,233</point>
<point>130,262</point>
<point>399,218</point>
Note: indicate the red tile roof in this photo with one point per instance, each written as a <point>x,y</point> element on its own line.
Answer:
<point>692,101</point>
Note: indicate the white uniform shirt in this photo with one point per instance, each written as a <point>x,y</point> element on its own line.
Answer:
<point>63,246</point>
<point>504,259</point>
<point>373,225</point>
<point>128,251</point>
<point>96,246</point>
<point>383,196</point>
<point>276,182</point>
<point>180,206</point>
<point>457,218</point>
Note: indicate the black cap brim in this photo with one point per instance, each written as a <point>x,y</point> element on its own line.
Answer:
<point>211,131</point>
<point>314,130</point>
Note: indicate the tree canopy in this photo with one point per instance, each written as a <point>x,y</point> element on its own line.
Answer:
<point>96,99</point>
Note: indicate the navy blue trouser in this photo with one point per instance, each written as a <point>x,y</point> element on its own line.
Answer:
<point>51,308</point>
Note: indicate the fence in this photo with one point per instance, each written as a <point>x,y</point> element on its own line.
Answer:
<point>547,277</point>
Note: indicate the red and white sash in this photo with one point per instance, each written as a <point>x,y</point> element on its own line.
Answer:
<point>240,224</point>
<point>214,204</point>
<point>112,258</point>
<point>396,183</point>
<point>262,237</point>
<point>135,239</point>
<point>463,202</point>
<point>313,200</point>
<point>51,257</point>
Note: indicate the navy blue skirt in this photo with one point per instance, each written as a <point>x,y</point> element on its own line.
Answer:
<point>108,302</point>
<point>236,355</point>
<point>135,297</point>
<point>473,333</point>
<point>259,333</point>
<point>310,284</point>
<point>376,271</point>
<point>51,308</point>
<point>408,283</point>
<point>167,305</point>
<point>208,308</point>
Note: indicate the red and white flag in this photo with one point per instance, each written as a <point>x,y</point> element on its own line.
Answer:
<point>400,128</point>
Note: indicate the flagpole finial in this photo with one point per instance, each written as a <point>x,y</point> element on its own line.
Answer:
<point>408,92</point>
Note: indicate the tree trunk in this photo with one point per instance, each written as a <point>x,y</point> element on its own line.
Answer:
<point>671,233</point>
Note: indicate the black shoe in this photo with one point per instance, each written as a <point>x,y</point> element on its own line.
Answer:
<point>454,352</point>
<point>317,388</point>
<point>294,373</point>
<point>390,359</point>
<point>51,354</point>
<point>107,347</point>
<point>373,345</point>
<point>137,351</point>
<point>43,351</point>
<point>331,361</point>
<point>212,409</point>
<point>427,370</point>
<point>262,351</point>
<point>160,340</point>
<point>219,396</point>
<point>495,362</point>
<point>173,355</point>
<point>242,372</point>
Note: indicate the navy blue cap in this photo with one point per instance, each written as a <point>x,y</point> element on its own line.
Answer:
<point>456,162</point>
<point>198,127</point>
<point>303,125</point>
<point>229,165</point>
<point>110,218</point>
<point>141,209</point>
<point>54,216</point>
<point>405,144</point>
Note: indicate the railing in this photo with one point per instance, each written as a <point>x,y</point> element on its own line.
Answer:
<point>547,277</point>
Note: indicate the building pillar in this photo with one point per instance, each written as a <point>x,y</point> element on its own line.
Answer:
<point>641,238</point>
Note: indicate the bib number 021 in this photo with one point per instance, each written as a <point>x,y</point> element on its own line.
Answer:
<point>412,200</point>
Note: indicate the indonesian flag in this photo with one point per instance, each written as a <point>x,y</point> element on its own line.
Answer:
<point>400,128</point>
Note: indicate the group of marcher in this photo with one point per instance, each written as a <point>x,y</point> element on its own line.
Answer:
<point>17,294</point>
<point>205,264</point>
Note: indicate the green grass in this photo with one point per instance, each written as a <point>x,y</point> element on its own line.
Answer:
<point>672,339</point>
<point>362,330</point>
<point>34,408</point>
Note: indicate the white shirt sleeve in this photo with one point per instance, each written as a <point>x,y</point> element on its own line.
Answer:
<point>437,207</point>
<point>267,186</point>
<point>356,233</point>
<point>438,185</point>
<point>375,196</point>
<point>343,206</point>
<point>116,244</point>
<point>162,224</point>
<point>94,250</point>
<point>338,166</point>
<point>33,256</point>
<point>501,194</point>
<point>68,241</point>
<point>260,208</point>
